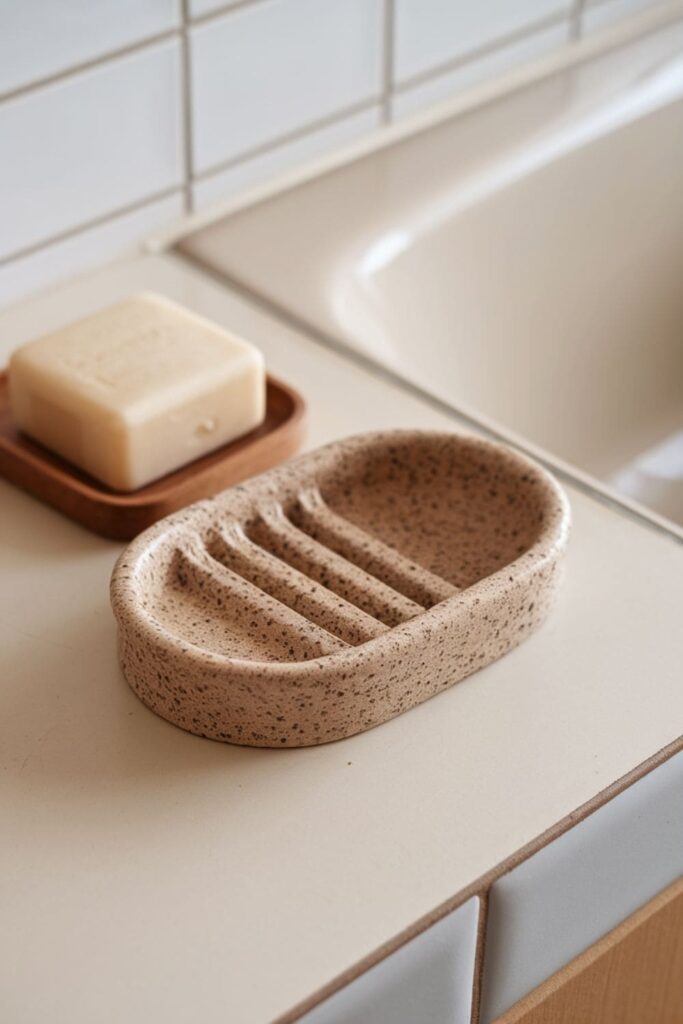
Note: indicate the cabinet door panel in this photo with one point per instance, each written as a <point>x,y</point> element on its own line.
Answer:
<point>564,898</point>
<point>632,976</point>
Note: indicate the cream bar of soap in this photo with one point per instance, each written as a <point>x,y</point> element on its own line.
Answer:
<point>137,390</point>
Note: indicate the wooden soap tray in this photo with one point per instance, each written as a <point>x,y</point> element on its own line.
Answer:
<point>121,516</point>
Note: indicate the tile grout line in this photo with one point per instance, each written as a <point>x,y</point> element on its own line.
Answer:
<point>89,65</point>
<point>96,222</point>
<point>293,136</point>
<point>186,106</point>
<point>480,951</point>
<point>185,186</point>
<point>181,32</point>
<point>486,50</point>
<point>575,20</point>
<point>226,9</point>
<point>388,40</point>
<point>188,21</point>
<point>601,3</point>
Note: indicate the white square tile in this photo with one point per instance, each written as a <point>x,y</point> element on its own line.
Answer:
<point>433,32</point>
<point>86,249</point>
<point>39,38</point>
<point>261,169</point>
<point>572,892</point>
<point>197,8</point>
<point>428,980</point>
<point>601,15</point>
<point>474,72</point>
<point>279,65</point>
<point>89,145</point>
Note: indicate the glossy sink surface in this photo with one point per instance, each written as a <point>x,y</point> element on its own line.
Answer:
<point>521,260</point>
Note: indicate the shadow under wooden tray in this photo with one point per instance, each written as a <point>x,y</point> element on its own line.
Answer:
<point>120,516</point>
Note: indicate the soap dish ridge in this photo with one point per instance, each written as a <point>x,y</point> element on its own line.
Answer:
<point>333,593</point>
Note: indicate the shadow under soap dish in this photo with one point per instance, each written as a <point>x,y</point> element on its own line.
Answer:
<point>333,593</point>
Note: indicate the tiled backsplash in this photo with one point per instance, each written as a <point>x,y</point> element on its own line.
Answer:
<point>117,116</point>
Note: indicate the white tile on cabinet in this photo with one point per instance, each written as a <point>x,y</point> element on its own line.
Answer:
<point>198,8</point>
<point>277,66</point>
<point>572,892</point>
<point>428,979</point>
<point>485,68</point>
<point>87,249</point>
<point>601,15</point>
<point>39,38</point>
<point>261,169</point>
<point>429,33</point>
<point>89,145</point>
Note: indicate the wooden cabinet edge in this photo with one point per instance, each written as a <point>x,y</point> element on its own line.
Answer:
<point>633,974</point>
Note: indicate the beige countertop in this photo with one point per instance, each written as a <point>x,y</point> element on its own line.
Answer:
<point>146,874</point>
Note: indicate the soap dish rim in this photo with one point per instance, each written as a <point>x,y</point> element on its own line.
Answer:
<point>549,544</point>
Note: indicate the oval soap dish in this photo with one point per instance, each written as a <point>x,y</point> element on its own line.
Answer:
<point>335,592</point>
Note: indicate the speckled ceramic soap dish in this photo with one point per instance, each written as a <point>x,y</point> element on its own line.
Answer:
<point>335,592</point>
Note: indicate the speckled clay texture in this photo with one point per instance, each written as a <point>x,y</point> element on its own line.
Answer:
<point>335,592</point>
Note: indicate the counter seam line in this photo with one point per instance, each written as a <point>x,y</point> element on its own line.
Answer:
<point>479,954</point>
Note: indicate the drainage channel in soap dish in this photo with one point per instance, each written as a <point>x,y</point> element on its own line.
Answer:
<point>327,592</point>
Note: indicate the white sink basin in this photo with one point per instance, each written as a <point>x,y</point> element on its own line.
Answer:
<point>522,261</point>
